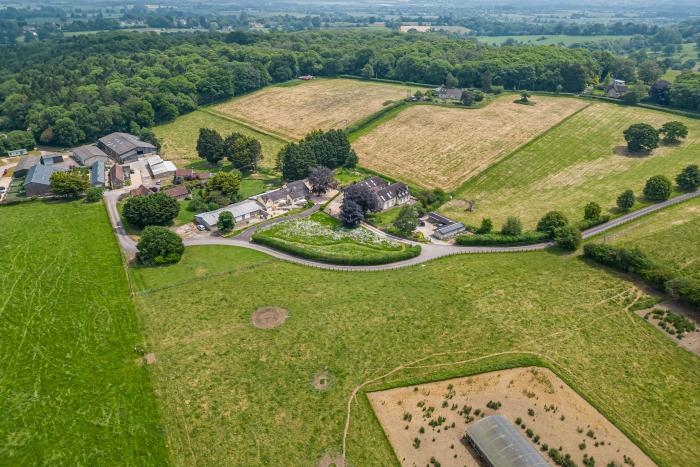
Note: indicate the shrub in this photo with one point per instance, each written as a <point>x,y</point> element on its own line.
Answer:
<point>673,131</point>
<point>626,200</point>
<point>689,178</point>
<point>93,194</point>
<point>158,245</point>
<point>568,237</point>
<point>658,188</point>
<point>587,224</point>
<point>351,213</point>
<point>155,209</point>
<point>592,212</point>
<point>226,221</point>
<point>551,222</point>
<point>486,226</point>
<point>407,220</point>
<point>527,238</point>
<point>512,227</point>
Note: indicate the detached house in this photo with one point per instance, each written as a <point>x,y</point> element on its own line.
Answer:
<point>616,88</point>
<point>292,194</point>
<point>123,147</point>
<point>387,195</point>
<point>455,94</point>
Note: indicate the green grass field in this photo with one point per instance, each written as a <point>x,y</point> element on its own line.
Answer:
<point>582,159</point>
<point>233,394</point>
<point>179,138</point>
<point>670,237</point>
<point>552,39</point>
<point>71,391</point>
<point>323,238</point>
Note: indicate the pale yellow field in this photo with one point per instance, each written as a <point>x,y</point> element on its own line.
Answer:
<point>431,146</point>
<point>293,111</point>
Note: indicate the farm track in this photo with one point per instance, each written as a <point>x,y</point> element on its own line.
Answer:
<point>428,251</point>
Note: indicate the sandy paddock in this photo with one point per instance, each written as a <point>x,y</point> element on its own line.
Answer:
<point>559,417</point>
<point>432,146</point>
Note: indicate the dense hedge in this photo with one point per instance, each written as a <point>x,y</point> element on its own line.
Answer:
<point>410,251</point>
<point>587,224</point>
<point>634,261</point>
<point>526,238</point>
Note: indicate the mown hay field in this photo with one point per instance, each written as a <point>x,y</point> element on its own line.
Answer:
<point>72,391</point>
<point>293,111</point>
<point>584,159</point>
<point>237,395</point>
<point>440,147</point>
<point>179,138</point>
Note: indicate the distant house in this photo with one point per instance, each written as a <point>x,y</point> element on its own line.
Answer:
<point>387,195</point>
<point>177,192</point>
<point>455,94</point>
<point>160,168</point>
<point>140,191</point>
<point>245,210</point>
<point>97,174</point>
<point>292,194</point>
<point>38,181</point>
<point>307,77</point>
<point>86,155</point>
<point>116,176</point>
<point>51,159</point>
<point>24,164</point>
<point>123,147</point>
<point>16,152</point>
<point>616,88</point>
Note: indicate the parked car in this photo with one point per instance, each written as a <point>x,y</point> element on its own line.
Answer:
<point>2,189</point>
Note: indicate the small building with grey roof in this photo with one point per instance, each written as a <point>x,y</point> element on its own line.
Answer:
<point>245,210</point>
<point>499,444</point>
<point>86,155</point>
<point>123,147</point>
<point>38,180</point>
<point>97,174</point>
<point>24,164</point>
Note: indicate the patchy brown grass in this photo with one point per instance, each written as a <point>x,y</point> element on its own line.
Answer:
<point>431,146</point>
<point>293,111</point>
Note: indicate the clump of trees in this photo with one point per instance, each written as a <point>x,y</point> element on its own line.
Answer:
<point>319,148</point>
<point>158,246</point>
<point>551,221</point>
<point>358,200</point>
<point>321,180</point>
<point>689,178</point>
<point>432,199</point>
<point>69,184</point>
<point>512,227</point>
<point>244,152</point>
<point>154,209</point>
<point>406,221</point>
<point>17,139</point>
<point>222,188</point>
<point>673,132</point>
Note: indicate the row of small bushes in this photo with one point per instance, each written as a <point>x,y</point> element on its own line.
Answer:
<point>491,239</point>
<point>388,256</point>
<point>634,261</point>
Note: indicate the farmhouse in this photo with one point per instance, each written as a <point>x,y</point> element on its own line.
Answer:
<point>616,88</point>
<point>387,195</point>
<point>498,443</point>
<point>38,181</point>
<point>292,194</point>
<point>177,192</point>
<point>116,176</point>
<point>454,94</point>
<point>123,147</point>
<point>160,168</point>
<point>86,155</point>
<point>97,174</point>
<point>24,164</point>
<point>245,210</point>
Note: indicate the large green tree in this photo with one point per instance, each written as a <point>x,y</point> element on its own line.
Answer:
<point>224,185</point>
<point>210,145</point>
<point>658,188</point>
<point>673,132</point>
<point>158,245</point>
<point>155,209</point>
<point>689,178</point>
<point>641,137</point>
<point>319,148</point>
<point>244,152</point>
<point>69,184</point>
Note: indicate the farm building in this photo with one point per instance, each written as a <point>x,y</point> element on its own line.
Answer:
<point>51,159</point>
<point>293,193</point>
<point>38,181</point>
<point>499,444</point>
<point>116,176</point>
<point>97,174</point>
<point>17,152</point>
<point>454,94</point>
<point>445,227</point>
<point>123,147</point>
<point>616,88</point>
<point>140,191</point>
<point>387,195</point>
<point>245,210</point>
<point>177,192</point>
<point>86,155</point>
<point>24,164</point>
<point>183,175</point>
<point>160,168</point>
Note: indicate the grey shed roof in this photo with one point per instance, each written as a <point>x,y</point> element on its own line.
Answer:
<point>97,173</point>
<point>502,445</point>
<point>451,228</point>
<point>121,143</point>
<point>41,174</point>
<point>83,153</point>
<point>27,162</point>
<point>241,209</point>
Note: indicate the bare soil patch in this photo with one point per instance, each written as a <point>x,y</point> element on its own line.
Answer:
<point>689,340</point>
<point>331,460</point>
<point>269,317</point>
<point>320,104</point>
<point>321,380</point>
<point>432,146</point>
<point>434,418</point>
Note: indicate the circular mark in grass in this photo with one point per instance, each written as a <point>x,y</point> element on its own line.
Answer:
<point>321,381</point>
<point>331,460</point>
<point>269,317</point>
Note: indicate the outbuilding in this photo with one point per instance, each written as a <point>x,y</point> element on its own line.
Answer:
<point>123,147</point>
<point>38,181</point>
<point>24,164</point>
<point>178,192</point>
<point>88,154</point>
<point>160,168</point>
<point>116,176</point>
<point>245,210</point>
<point>97,174</point>
<point>499,444</point>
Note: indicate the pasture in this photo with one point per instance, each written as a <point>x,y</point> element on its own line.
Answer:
<point>584,159</point>
<point>179,138</point>
<point>549,39</point>
<point>440,147</point>
<point>234,394</point>
<point>293,111</point>
<point>71,389</point>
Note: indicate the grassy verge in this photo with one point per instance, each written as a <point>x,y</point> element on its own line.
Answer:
<point>72,391</point>
<point>322,238</point>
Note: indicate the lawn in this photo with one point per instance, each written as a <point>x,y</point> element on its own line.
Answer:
<point>71,390</point>
<point>179,138</point>
<point>584,159</point>
<point>292,112</point>
<point>438,147</point>
<point>233,394</point>
<point>323,238</point>
<point>670,237</point>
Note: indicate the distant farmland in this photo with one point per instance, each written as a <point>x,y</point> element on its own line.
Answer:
<point>432,146</point>
<point>293,111</point>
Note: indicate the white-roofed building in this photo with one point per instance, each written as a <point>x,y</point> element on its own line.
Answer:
<point>243,211</point>
<point>160,168</point>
